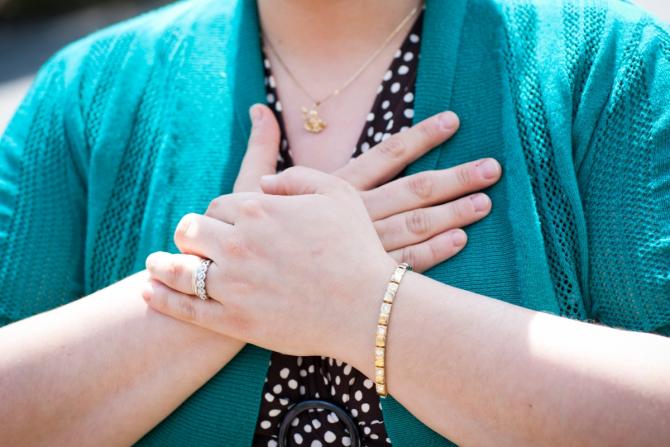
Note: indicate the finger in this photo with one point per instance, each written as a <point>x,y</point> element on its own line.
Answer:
<point>226,208</point>
<point>261,156</point>
<point>202,236</point>
<point>430,187</point>
<point>385,160</point>
<point>413,227</point>
<point>204,313</point>
<point>301,180</point>
<point>428,254</point>
<point>176,271</point>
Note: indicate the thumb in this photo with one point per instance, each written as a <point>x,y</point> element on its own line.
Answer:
<point>261,156</point>
<point>300,180</point>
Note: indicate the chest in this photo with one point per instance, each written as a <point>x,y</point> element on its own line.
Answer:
<point>151,179</point>
<point>324,121</point>
<point>183,161</point>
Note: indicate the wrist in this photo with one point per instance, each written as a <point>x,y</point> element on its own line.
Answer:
<point>357,347</point>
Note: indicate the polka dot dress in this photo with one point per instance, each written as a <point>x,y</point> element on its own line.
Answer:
<point>291,379</point>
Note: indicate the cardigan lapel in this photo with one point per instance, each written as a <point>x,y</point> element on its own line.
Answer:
<point>221,77</point>
<point>250,88</point>
<point>249,83</point>
<point>440,40</point>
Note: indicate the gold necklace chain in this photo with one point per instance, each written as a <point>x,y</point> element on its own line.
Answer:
<point>313,123</point>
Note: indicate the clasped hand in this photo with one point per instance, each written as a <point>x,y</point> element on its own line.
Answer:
<point>300,260</point>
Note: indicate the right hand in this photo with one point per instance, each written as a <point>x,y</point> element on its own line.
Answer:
<point>419,218</point>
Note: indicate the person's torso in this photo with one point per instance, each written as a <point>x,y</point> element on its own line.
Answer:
<point>168,144</point>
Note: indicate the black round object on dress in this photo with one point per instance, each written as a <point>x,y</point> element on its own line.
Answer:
<point>318,405</point>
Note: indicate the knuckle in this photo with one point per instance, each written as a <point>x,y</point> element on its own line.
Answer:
<point>460,210</point>
<point>187,309</point>
<point>232,247</point>
<point>263,135</point>
<point>213,207</point>
<point>410,256</point>
<point>418,222</point>
<point>185,223</point>
<point>394,147</point>
<point>380,228</point>
<point>174,271</point>
<point>251,208</point>
<point>464,176</point>
<point>421,185</point>
<point>258,137</point>
<point>152,261</point>
<point>436,251</point>
<point>430,129</point>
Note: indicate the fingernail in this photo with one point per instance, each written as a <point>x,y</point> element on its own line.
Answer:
<point>256,113</point>
<point>151,260</point>
<point>268,180</point>
<point>147,292</point>
<point>448,120</point>
<point>480,201</point>
<point>489,168</point>
<point>458,238</point>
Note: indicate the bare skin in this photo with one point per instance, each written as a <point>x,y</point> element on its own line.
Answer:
<point>476,370</point>
<point>323,43</point>
<point>82,369</point>
<point>499,374</point>
<point>72,384</point>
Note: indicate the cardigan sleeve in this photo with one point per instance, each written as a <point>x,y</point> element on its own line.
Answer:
<point>42,197</point>
<point>625,187</point>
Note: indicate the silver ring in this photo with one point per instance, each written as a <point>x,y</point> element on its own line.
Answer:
<point>200,279</point>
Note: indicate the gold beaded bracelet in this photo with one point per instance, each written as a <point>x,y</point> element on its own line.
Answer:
<point>382,327</point>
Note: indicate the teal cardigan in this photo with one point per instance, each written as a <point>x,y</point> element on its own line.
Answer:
<point>125,131</point>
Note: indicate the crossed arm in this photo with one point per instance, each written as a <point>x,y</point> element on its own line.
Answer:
<point>477,370</point>
<point>491,373</point>
<point>70,376</point>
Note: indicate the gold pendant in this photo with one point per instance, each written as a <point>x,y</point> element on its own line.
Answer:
<point>313,123</point>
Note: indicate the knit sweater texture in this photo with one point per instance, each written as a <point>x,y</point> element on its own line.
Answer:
<point>127,130</point>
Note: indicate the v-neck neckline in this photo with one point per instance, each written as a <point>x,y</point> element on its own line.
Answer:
<point>382,95</point>
<point>440,40</point>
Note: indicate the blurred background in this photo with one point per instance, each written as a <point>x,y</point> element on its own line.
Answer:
<point>32,30</point>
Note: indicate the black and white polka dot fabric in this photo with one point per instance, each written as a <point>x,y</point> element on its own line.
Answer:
<point>291,379</point>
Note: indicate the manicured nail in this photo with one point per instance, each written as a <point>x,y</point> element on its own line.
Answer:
<point>480,201</point>
<point>448,120</point>
<point>256,113</point>
<point>458,238</point>
<point>489,168</point>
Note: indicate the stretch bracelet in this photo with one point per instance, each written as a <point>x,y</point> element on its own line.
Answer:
<point>382,328</point>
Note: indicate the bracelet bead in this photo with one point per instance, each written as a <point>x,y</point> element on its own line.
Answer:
<point>382,328</point>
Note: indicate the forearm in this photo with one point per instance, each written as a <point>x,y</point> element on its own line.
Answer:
<point>483,372</point>
<point>102,370</point>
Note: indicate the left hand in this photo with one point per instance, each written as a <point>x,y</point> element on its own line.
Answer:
<point>302,274</point>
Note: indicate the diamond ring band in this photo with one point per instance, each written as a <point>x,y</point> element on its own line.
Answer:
<point>200,279</point>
